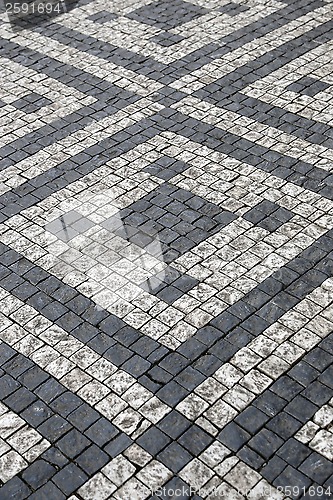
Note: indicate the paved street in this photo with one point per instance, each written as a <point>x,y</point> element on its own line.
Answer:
<point>166,228</point>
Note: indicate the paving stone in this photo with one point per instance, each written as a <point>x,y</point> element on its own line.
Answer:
<point>270,403</point>
<point>251,419</point>
<point>15,488</point>
<point>73,443</point>
<point>92,459</point>
<point>317,468</point>
<point>48,491</point>
<point>318,393</point>
<point>265,443</point>
<point>18,366</point>
<point>293,476</point>
<point>195,440</point>
<point>175,457</point>
<point>65,403</point>
<point>20,399</point>
<point>174,424</point>
<point>8,385</point>
<point>153,441</point>
<point>318,358</point>
<point>303,373</point>
<point>118,445</point>
<point>326,377</point>
<point>38,473</point>
<point>273,468</point>
<point>37,413</point>
<point>49,390</point>
<point>172,393</point>
<point>293,452</point>
<point>234,437</point>
<point>69,478</point>
<point>190,378</point>
<point>251,458</point>
<point>284,425</point>
<point>54,457</point>
<point>83,417</point>
<point>6,353</point>
<point>286,388</point>
<point>54,427</point>
<point>33,377</point>
<point>101,432</point>
<point>301,408</point>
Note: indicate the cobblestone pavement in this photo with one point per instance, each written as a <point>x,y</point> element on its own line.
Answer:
<point>166,221</point>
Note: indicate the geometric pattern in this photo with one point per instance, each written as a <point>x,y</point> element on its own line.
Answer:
<point>161,14</point>
<point>166,251</point>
